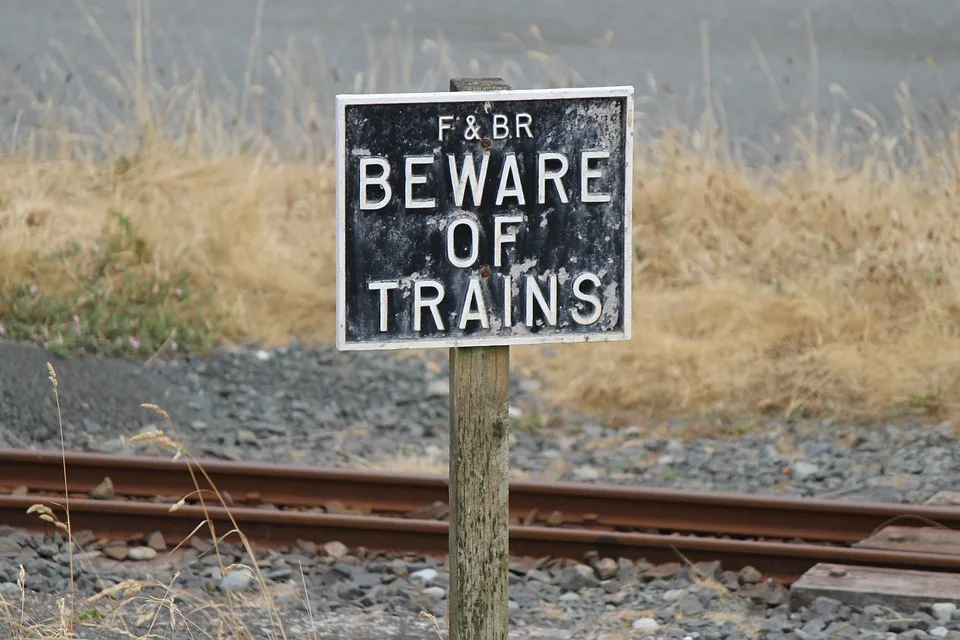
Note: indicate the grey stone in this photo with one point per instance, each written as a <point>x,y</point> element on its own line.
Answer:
<point>9,546</point>
<point>606,568</point>
<point>336,549</point>
<point>577,577</point>
<point>645,625</point>
<point>690,606</point>
<point>237,580</point>
<point>826,607</point>
<point>104,490</point>
<point>423,575</point>
<point>749,575</point>
<point>435,592</point>
<point>943,611</point>
<point>141,554</point>
<point>281,573</point>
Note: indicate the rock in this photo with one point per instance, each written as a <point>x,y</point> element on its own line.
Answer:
<point>335,549</point>
<point>576,577</point>
<point>104,490</point>
<point>627,571</point>
<point>141,554</point>
<point>279,574</point>
<point>708,569</point>
<point>666,571</point>
<point>730,580</point>
<point>423,575</point>
<point>690,606</point>
<point>201,545</point>
<point>939,632</point>
<point>115,552</point>
<point>438,389</point>
<point>826,607</point>
<point>84,538</point>
<point>606,568</point>
<point>9,589</point>
<point>237,580</point>
<point>943,611</point>
<point>47,550</point>
<point>436,593</point>
<point>308,547</point>
<point>801,470</point>
<point>156,542</point>
<point>539,576</point>
<point>9,545</point>
<point>770,593</point>
<point>586,473</point>
<point>749,575</point>
<point>645,625</point>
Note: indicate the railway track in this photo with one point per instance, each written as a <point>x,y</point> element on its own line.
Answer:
<point>277,505</point>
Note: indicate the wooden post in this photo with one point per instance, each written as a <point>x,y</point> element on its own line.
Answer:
<point>479,478</point>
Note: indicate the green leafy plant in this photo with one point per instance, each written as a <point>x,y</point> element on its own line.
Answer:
<point>107,298</point>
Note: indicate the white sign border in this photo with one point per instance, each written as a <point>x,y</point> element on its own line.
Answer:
<point>345,100</point>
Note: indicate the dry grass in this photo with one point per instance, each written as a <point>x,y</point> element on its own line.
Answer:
<point>147,609</point>
<point>822,285</point>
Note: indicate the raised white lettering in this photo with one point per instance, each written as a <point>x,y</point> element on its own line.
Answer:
<point>555,176</point>
<point>412,179</point>
<point>474,242</point>
<point>499,237</point>
<point>500,128</point>
<point>548,309</point>
<point>586,174</point>
<point>507,301</point>
<point>510,171</point>
<point>473,305</point>
<point>590,298</point>
<point>381,181</point>
<point>432,303</point>
<point>383,287</point>
<point>443,125</point>
<point>523,121</point>
<point>459,182</point>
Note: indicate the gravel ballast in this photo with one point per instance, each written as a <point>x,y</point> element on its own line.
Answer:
<point>313,586</point>
<point>320,407</point>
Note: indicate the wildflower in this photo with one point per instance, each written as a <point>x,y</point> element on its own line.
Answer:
<point>3,330</point>
<point>33,289</point>
<point>133,342</point>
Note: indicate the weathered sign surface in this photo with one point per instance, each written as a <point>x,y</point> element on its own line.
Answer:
<point>498,218</point>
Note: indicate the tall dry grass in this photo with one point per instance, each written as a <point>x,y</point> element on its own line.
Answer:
<point>826,282</point>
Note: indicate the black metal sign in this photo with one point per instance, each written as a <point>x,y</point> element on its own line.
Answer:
<point>469,219</point>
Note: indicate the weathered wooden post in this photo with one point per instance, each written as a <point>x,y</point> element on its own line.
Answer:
<point>479,478</point>
<point>475,220</point>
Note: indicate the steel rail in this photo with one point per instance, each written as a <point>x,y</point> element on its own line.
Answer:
<point>611,506</point>
<point>270,528</point>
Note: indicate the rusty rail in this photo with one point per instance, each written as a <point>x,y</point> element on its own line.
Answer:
<point>134,519</point>
<point>616,507</point>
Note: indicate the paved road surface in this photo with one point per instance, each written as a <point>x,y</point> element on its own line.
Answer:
<point>866,46</point>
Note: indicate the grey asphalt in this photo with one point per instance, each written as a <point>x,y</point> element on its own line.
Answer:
<point>865,46</point>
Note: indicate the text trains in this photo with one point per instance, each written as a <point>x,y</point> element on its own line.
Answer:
<point>376,186</point>
<point>429,294</point>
